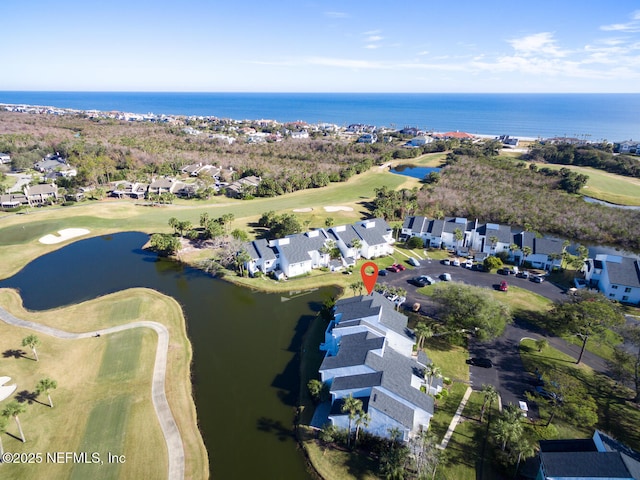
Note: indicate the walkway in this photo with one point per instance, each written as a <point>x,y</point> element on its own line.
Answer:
<point>455,419</point>
<point>169,427</point>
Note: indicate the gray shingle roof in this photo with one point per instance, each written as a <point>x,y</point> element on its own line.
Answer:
<point>353,350</point>
<point>260,249</point>
<point>392,407</point>
<point>300,244</point>
<point>503,232</point>
<point>374,234</point>
<point>357,381</point>
<point>584,465</point>
<point>626,273</point>
<point>416,224</point>
<point>355,308</point>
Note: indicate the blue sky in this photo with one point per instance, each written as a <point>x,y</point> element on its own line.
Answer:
<point>321,46</point>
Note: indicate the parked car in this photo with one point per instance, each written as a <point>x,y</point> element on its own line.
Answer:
<point>393,268</point>
<point>537,279</point>
<point>382,273</point>
<point>446,277</point>
<point>414,262</point>
<point>468,264</point>
<point>523,274</point>
<point>446,261</point>
<point>548,395</point>
<point>503,286</point>
<point>400,266</point>
<point>503,271</point>
<point>422,280</point>
<point>456,262</point>
<point>480,362</point>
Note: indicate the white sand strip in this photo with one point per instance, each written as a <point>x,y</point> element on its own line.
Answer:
<point>63,235</point>
<point>303,210</point>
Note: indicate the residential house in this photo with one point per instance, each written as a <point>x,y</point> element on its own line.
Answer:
<point>376,237</point>
<point>626,147</point>
<point>302,134</point>
<point>197,169</point>
<point>599,457</point>
<point>454,135</point>
<point>546,252</point>
<point>13,200</point>
<point>368,138</point>
<point>55,165</point>
<point>130,189</point>
<point>300,253</point>
<point>508,141</point>
<point>41,194</point>
<point>493,238</point>
<point>440,233</point>
<point>164,185</point>
<point>5,158</point>
<point>419,141</point>
<point>263,257</point>
<point>369,357</point>
<point>239,187</point>
<point>617,277</point>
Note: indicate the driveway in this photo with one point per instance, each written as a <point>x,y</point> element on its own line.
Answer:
<point>507,374</point>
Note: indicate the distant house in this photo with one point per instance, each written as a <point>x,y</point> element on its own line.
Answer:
<point>627,147</point>
<point>508,141</point>
<point>129,190</point>
<point>197,169</point>
<point>55,165</point>
<point>437,233</point>
<point>376,237</point>
<point>368,356</point>
<point>5,158</point>
<point>419,141</point>
<point>599,457</point>
<point>41,194</point>
<point>617,277</point>
<point>13,200</point>
<point>454,135</point>
<point>301,134</point>
<point>368,138</point>
<point>165,185</point>
<point>239,187</point>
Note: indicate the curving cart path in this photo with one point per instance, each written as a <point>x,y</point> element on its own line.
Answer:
<point>165,417</point>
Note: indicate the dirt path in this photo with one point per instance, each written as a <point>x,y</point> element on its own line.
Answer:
<point>165,417</point>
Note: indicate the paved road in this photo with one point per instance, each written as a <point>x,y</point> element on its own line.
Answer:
<point>167,423</point>
<point>21,181</point>
<point>508,375</point>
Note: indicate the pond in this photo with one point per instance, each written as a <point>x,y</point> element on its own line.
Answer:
<point>245,343</point>
<point>414,171</point>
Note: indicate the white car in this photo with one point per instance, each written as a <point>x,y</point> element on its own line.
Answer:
<point>468,264</point>
<point>456,262</point>
<point>446,261</point>
<point>414,262</point>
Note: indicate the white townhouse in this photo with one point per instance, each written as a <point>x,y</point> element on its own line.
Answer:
<point>300,253</point>
<point>442,233</point>
<point>369,357</point>
<point>617,277</point>
<point>263,257</point>
<point>546,252</point>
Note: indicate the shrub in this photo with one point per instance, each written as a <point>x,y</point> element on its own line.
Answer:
<point>415,242</point>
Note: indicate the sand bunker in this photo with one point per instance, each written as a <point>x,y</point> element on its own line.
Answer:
<point>6,390</point>
<point>63,235</point>
<point>303,210</point>
<point>338,209</point>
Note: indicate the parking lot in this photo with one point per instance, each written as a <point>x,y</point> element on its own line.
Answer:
<point>507,373</point>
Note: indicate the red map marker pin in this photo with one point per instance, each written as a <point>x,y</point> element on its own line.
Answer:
<point>369,279</point>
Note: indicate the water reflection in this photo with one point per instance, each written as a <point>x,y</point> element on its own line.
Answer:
<point>246,344</point>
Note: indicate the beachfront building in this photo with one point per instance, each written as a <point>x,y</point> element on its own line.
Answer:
<point>369,356</point>
<point>615,276</point>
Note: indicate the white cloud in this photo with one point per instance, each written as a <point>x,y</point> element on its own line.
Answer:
<point>372,46</point>
<point>632,27</point>
<point>536,44</point>
<point>374,38</point>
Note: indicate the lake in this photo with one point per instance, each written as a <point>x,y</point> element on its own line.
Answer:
<point>413,171</point>
<point>246,344</point>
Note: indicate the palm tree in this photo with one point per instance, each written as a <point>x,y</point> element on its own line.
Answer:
<point>526,251</point>
<point>494,241</point>
<point>458,235</point>
<point>31,341</point>
<point>508,428</point>
<point>525,449</point>
<point>362,419</point>
<point>351,406</point>
<point>431,371</point>
<point>45,386</point>
<point>422,331</point>
<point>3,428</point>
<point>541,344</point>
<point>14,409</point>
<point>490,396</point>
<point>356,243</point>
<point>242,258</point>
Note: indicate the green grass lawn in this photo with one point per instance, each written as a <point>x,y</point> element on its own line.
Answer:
<point>103,400</point>
<point>616,414</point>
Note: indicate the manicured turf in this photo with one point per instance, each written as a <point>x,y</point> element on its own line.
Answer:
<point>122,355</point>
<point>105,434</point>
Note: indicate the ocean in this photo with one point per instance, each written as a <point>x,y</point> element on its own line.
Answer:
<point>593,117</point>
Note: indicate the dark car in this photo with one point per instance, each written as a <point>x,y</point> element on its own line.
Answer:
<point>382,273</point>
<point>422,280</point>
<point>503,271</point>
<point>480,362</point>
<point>524,274</point>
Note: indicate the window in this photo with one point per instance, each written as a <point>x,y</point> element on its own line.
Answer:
<point>615,287</point>
<point>627,290</point>
<point>625,298</point>
<point>612,294</point>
